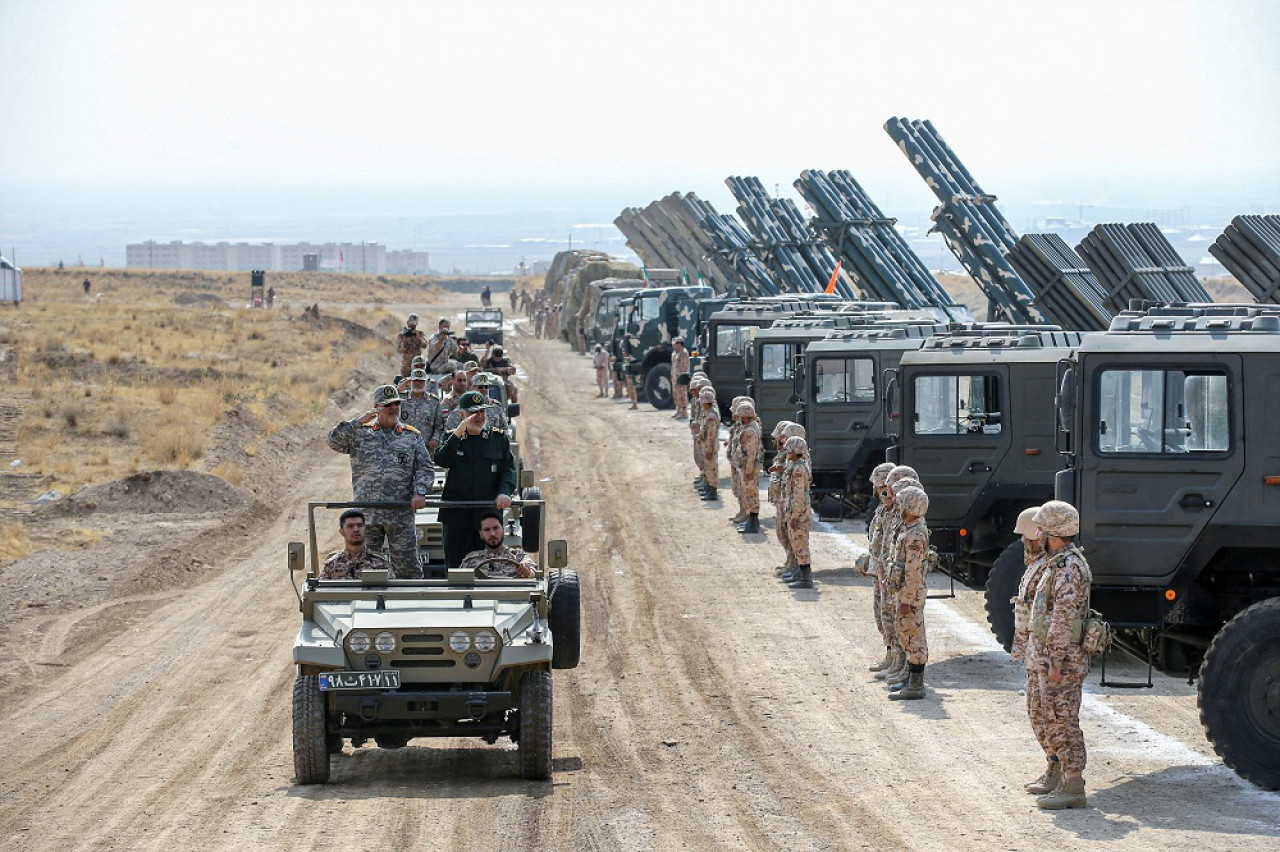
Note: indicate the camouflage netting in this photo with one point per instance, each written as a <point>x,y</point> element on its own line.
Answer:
<point>571,272</point>
<point>591,295</point>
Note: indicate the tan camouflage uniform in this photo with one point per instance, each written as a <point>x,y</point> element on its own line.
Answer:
<point>387,465</point>
<point>875,566</point>
<point>796,514</point>
<point>441,347</point>
<point>911,548</point>
<point>497,564</point>
<point>679,392</point>
<point>409,343</point>
<point>1061,599</point>
<point>748,465</point>
<point>709,440</point>
<point>346,565</point>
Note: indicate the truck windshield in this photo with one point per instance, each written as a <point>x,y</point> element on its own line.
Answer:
<point>1162,411</point>
<point>956,405</point>
<point>837,380</point>
<point>733,339</point>
<point>775,362</point>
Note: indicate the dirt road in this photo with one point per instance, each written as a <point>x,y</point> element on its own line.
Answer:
<point>713,708</point>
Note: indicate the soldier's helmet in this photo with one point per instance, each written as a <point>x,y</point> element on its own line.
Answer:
<point>679,340</point>
<point>793,430</point>
<point>778,427</point>
<point>795,445</point>
<point>1057,518</point>
<point>913,501</point>
<point>472,401</point>
<point>385,395</point>
<point>746,408</point>
<point>879,473</point>
<point>413,319</point>
<point>706,395</point>
<point>899,472</point>
<point>1026,525</point>
<point>418,376</point>
<point>904,483</point>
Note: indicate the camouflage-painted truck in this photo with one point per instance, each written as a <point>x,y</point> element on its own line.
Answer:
<point>393,660</point>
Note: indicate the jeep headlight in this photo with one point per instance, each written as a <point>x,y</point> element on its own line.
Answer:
<point>385,642</point>
<point>486,641</point>
<point>459,641</point>
<point>358,642</point>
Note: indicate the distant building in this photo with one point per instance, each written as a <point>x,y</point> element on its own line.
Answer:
<point>242,257</point>
<point>405,262</point>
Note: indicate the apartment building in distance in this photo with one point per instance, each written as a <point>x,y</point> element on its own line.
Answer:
<point>365,257</point>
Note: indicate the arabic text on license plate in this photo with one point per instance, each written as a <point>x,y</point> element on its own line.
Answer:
<point>387,679</point>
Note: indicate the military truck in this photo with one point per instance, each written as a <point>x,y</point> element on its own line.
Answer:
<point>483,326</point>
<point>1168,423</point>
<point>394,660</point>
<point>599,313</point>
<point>972,411</point>
<point>652,315</point>
<point>838,383</point>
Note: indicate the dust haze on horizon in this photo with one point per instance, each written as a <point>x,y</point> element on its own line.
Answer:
<point>133,120</point>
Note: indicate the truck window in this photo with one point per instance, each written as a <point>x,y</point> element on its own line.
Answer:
<point>647,308</point>
<point>957,405</point>
<point>843,380</point>
<point>1162,411</point>
<point>733,339</point>
<point>775,362</point>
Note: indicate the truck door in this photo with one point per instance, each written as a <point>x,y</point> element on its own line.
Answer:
<point>726,368</point>
<point>1161,449</point>
<point>842,390</point>
<point>954,433</point>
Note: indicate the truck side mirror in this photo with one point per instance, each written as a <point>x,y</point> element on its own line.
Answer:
<point>513,410</point>
<point>297,556</point>
<point>557,554</point>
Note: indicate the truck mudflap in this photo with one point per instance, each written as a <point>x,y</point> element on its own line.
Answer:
<point>426,706</point>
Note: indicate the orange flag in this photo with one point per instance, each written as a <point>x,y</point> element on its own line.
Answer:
<point>835,275</point>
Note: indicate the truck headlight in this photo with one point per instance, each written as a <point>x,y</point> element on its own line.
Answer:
<point>385,642</point>
<point>486,641</point>
<point>358,642</point>
<point>459,641</point>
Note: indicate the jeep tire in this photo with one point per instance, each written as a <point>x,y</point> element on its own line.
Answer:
<point>534,745</point>
<point>1002,584</point>
<point>310,741</point>
<point>565,620</point>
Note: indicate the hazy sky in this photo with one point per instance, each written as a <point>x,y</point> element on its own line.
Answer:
<point>1128,102</point>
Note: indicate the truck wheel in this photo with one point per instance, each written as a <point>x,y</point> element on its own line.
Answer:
<point>565,620</point>
<point>310,743</point>
<point>657,387</point>
<point>1239,694</point>
<point>391,741</point>
<point>530,520</point>
<point>1002,584</point>
<point>535,725</point>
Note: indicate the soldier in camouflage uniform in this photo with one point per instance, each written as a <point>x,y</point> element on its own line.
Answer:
<point>910,552</point>
<point>679,367</point>
<point>897,670</point>
<point>1025,647</point>
<point>875,559</point>
<point>731,454</point>
<point>350,562</point>
<point>497,561</point>
<point>441,347</point>
<point>496,414</point>
<point>784,430</point>
<point>696,384</point>
<point>797,477</point>
<point>1060,664</point>
<point>709,439</point>
<point>409,343</point>
<point>748,462</point>
<point>421,410</point>
<point>389,463</point>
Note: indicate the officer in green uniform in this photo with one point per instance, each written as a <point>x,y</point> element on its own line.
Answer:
<point>481,467</point>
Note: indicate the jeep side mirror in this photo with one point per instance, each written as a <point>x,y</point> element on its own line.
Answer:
<point>513,410</point>
<point>526,478</point>
<point>557,554</point>
<point>297,556</point>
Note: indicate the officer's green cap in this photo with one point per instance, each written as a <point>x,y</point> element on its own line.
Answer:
<point>385,395</point>
<point>472,401</point>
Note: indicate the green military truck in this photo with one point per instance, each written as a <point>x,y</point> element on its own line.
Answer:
<point>394,660</point>
<point>651,316</point>
<point>972,411</point>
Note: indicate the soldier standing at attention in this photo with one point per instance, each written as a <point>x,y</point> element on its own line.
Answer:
<point>680,378</point>
<point>784,430</point>
<point>696,384</point>
<point>897,670</point>
<point>1025,647</point>
<point>875,559</point>
<point>421,410</point>
<point>749,460</point>
<point>481,468</point>
<point>731,456</point>
<point>910,551</point>
<point>1058,610</point>
<point>600,360</point>
<point>389,463</point>
<point>441,347</point>
<point>709,439</point>
<point>350,562</point>
<point>797,477</point>
<point>409,342</point>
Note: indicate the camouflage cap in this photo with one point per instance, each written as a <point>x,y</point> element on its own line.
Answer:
<point>1026,525</point>
<point>482,380</point>
<point>795,445</point>
<point>418,376</point>
<point>899,472</point>
<point>1057,518</point>
<point>472,401</point>
<point>880,472</point>
<point>385,395</point>
<point>913,501</point>
<point>418,361</point>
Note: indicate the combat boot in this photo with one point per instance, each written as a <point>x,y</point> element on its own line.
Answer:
<point>893,673</point>
<point>1070,794</point>
<point>914,690</point>
<point>738,518</point>
<point>788,571</point>
<point>803,580</point>
<point>711,493</point>
<point>883,664</point>
<point>699,481</point>
<point>752,525</point>
<point>1049,781</point>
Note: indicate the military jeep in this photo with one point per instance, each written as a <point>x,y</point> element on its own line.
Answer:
<point>393,660</point>
<point>484,326</point>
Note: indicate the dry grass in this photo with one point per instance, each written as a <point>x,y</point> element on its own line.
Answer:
<point>132,377</point>
<point>15,542</point>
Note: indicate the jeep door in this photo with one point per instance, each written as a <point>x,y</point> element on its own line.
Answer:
<point>1162,447</point>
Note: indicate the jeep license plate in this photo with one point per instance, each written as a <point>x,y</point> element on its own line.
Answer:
<point>387,679</point>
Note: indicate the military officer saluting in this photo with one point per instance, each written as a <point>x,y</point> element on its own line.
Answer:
<point>390,464</point>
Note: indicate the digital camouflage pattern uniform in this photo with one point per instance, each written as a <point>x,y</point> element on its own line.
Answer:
<point>346,565</point>
<point>497,564</point>
<point>441,347</point>
<point>409,343</point>
<point>387,465</point>
<point>796,515</point>
<point>423,414</point>
<point>1060,602</point>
